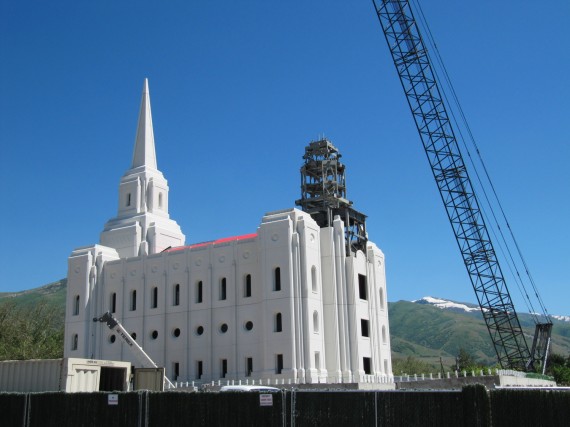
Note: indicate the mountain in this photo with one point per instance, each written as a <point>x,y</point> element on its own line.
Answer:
<point>427,329</point>
<point>430,328</point>
<point>51,294</point>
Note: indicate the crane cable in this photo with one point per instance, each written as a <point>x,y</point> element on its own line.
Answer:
<point>517,276</point>
<point>504,247</point>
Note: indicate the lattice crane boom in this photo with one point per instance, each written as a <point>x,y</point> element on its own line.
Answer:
<point>430,114</point>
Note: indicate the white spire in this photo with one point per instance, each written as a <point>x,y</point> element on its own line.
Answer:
<point>142,224</point>
<point>144,153</point>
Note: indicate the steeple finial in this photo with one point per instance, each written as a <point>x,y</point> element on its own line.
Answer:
<point>144,154</point>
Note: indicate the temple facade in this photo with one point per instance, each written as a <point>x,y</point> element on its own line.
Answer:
<point>298,299</point>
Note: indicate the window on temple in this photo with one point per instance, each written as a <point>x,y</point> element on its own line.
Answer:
<point>113,302</point>
<point>223,294</point>
<point>277,279</point>
<point>133,300</point>
<point>76,305</point>
<point>364,328</point>
<point>176,296</point>
<point>154,297</point>
<point>247,286</point>
<point>199,292</point>
<point>248,366</point>
<point>367,365</point>
<point>362,291</point>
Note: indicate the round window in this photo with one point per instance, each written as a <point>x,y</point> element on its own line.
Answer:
<point>249,325</point>
<point>112,339</point>
<point>224,328</point>
<point>176,332</point>
<point>200,330</point>
<point>154,335</point>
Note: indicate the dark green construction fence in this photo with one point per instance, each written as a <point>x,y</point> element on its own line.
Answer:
<point>473,406</point>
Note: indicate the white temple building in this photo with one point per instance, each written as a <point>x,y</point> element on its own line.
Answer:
<point>302,298</point>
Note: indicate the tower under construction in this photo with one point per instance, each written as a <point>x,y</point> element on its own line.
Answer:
<point>323,193</point>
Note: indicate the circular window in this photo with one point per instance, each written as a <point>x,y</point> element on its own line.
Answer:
<point>112,339</point>
<point>176,332</point>
<point>224,328</point>
<point>134,336</point>
<point>154,335</point>
<point>200,330</point>
<point>249,325</point>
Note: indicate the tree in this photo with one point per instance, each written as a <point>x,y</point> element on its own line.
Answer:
<point>465,361</point>
<point>559,367</point>
<point>410,366</point>
<point>35,333</point>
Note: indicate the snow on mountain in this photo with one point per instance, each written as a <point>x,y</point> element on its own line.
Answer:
<point>446,304</point>
<point>463,307</point>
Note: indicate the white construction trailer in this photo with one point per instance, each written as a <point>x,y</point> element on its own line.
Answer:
<point>69,374</point>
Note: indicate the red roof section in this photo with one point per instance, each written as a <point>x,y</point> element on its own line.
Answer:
<point>214,242</point>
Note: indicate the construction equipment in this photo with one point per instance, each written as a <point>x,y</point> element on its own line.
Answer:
<point>430,113</point>
<point>137,350</point>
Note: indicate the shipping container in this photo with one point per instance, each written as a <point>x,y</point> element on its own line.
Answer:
<point>69,374</point>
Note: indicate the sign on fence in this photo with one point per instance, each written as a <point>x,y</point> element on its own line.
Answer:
<point>265,400</point>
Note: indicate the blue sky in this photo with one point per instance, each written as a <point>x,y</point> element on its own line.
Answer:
<point>239,88</point>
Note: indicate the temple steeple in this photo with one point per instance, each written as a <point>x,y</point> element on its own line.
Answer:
<point>144,153</point>
<point>142,224</point>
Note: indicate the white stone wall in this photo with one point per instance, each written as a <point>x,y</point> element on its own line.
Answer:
<point>317,298</point>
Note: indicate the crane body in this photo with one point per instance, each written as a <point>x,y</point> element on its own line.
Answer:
<point>433,123</point>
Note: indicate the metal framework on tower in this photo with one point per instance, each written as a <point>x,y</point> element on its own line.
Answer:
<point>323,193</point>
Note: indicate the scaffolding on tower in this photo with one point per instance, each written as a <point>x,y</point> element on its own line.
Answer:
<point>323,193</point>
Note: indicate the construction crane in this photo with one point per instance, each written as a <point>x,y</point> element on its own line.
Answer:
<point>138,352</point>
<point>430,113</point>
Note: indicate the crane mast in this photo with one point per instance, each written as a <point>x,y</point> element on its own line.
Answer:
<point>429,111</point>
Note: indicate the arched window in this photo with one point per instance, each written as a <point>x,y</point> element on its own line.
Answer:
<point>199,292</point>
<point>383,334</point>
<point>154,298</point>
<point>74,342</point>
<point>278,323</point>
<point>128,201</point>
<point>133,300</point>
<point>176,296</point>
<point>362,287</point>
<point>314,278</point>
<point>76,305</point>
<point>382,298</point>
<point>113,302</point>
<point>247,286</point>
<point>315,322</point>
<point>160,200</point>
<point>277,279</point>
<point>223,294</point>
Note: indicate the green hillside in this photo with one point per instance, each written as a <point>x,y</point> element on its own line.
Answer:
<point>428,333</point>
<point>52,294</point>
<point>422,331</point>
<point>31,322</point>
